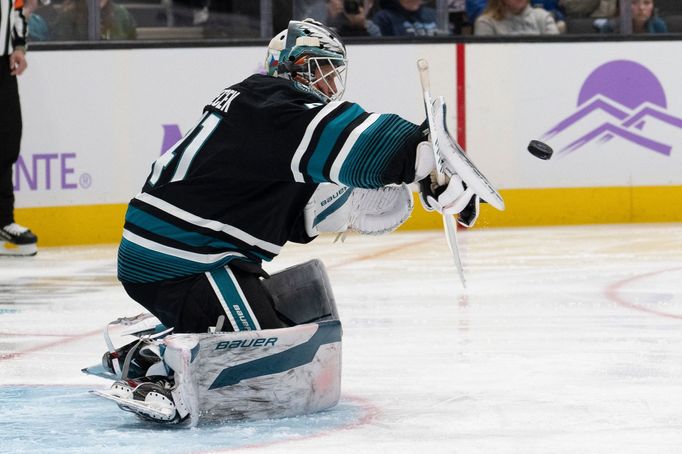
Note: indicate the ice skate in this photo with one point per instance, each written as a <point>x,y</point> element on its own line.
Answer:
<point>149,398</point>
<point>142,355</point>
<point>142,358</point>
<point>17,240</point>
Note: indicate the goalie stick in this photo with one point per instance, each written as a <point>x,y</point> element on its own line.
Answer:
<point>448,221</point>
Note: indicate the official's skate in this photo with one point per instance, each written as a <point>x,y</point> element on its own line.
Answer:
<point>17,240</point>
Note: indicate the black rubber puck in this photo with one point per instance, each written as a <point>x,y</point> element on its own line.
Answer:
<point>540,149</point>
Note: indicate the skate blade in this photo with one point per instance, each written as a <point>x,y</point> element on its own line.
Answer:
<point>139,408</point>
<point>17,250</point>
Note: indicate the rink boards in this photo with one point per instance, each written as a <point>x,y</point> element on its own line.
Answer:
<point>611,110</point>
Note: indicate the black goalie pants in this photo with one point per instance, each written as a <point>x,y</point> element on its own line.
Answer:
<point>193,304</point>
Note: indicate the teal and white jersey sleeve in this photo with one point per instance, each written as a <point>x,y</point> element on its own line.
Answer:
<point>346,145</point>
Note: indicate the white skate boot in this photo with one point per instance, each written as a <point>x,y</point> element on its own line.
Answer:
<point>17,240</point>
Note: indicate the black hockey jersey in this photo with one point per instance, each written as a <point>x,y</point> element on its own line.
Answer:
<point>234,188</point>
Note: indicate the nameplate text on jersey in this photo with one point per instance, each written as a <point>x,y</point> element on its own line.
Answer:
<point>224,99</point>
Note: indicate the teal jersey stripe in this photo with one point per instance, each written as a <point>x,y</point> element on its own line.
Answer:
<point>259,255</point>
<point>328,139</point>
<point>160,227</point>
<point>374,150</point>
<point>135,259</point>
<point>129,271</point>
<point>233,300</point>
<point>382,135</point>
<point>133,268</point>
<point>381,159</point>
<point>139,264</point>
<point>400,131</point>
<point>370,140</point>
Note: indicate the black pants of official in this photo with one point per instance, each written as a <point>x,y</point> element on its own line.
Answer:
<point>190,304</point>
<point>10,138</point>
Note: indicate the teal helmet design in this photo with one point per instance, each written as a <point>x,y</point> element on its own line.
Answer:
<point>312,55</point>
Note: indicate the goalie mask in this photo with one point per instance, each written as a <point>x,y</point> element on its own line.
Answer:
<point>312,55</point>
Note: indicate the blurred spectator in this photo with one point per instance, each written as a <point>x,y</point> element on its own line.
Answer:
<point>230,19</point>
<point>188,13</point>
<point>350,17</point>
<point>406,18</point>
<point>227,19</point>
<point>606,8</point>
<point>474,9</point>
<point>41,16</point>
<point>282,13</point>
<point>457,18</point>
<point>589,8</point>
<point>116,22</point>
<point>643,20</point>
<point>38,27</point>
<point>347,17</point>
<point>314,9</point>
<point>555,9</point>
<point>514,17</point>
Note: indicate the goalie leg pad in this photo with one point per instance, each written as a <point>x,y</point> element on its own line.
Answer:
<point>260,374</point>
<point>302,293</point>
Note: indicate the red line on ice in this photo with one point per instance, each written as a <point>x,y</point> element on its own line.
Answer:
<point>613,289</point>
<point>65,340</point>
<point>380,252</point>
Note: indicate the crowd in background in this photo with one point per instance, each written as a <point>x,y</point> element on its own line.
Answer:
<point>68,20</point>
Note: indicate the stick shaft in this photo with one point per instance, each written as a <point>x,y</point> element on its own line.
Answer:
<point>449,224</point>
<point>423,67</point>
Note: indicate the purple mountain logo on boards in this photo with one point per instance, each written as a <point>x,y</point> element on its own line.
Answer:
<point>622,99</point>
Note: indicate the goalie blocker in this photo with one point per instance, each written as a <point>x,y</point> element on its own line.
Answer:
<point>246,375</point>
<point>465,185</point>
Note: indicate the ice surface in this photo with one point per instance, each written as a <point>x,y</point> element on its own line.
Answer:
<point>567,340</point>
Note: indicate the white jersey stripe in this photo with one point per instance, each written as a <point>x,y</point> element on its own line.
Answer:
<point>208,223</point>
<point>247,306</point>
<point>193,256</point>
<point>307,137</point>
<point>228,312</point>
<point>348,145</point>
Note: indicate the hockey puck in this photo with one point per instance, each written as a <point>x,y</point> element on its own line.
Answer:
<point>540,149</point>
